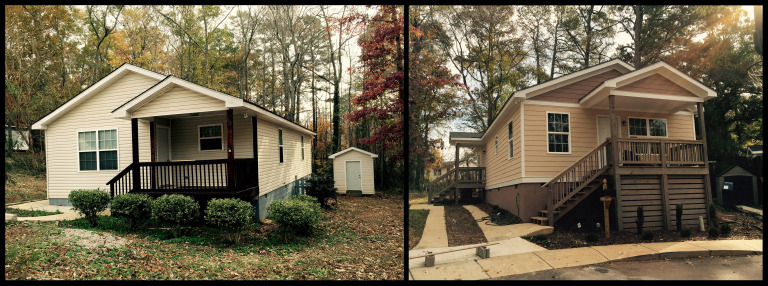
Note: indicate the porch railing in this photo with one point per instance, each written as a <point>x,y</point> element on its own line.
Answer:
<point>467,176</point>
<point>185,176</point>
<point>658,152</point>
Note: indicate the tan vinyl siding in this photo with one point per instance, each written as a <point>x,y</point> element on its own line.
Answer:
<point>62,165</point>
<point>272,173</point>
<point>573,92</point>
<point>179,100</point>
<point>657,84</point>
<point>498,167</point>
<point>366,166</point>
<point>185,138</point>
<point>583,136</point>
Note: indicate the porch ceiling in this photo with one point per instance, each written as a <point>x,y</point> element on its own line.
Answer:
<point>666,104</point>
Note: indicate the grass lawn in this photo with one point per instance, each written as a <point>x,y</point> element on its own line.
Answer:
<point>362,239</point>
<point>24,188</point>
<point>29,213</point>
<point>416,221</point>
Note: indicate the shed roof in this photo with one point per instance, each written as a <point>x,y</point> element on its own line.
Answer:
<point>735,170</point>
<point>756,150</point>
<point>353,149</point>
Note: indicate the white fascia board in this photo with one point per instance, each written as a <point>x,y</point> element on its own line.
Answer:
<point>574,77</point>
<point>42,124</point>
<point>657,96</point>
<point>277,119</point>
<point>353,149</point>
<point>670,73</point>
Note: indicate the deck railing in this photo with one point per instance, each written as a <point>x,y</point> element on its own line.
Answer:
<point>467,176</point>
<point>660,152</point>
<point>185,176</point>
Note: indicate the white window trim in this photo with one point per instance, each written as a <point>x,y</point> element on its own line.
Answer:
<point>200,147</point>
<point>510,138</point>
<point>546,128</point>
<point>98,163</point>
<point>280,147</point>
<point>648,127</point>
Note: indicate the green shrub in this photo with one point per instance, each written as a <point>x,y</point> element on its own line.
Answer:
<point>231,215</point>
<point>321,187</point>
<point>134,207</point>
<point>713,232</point>
<point>725,229</point>
<point>647,235</point>
<point>679,216</point>
<point>89,203</point>
<point>295,215</point>
<point>592,237</point>
<point>686,232</point>
<point>305,198</point>
<point>176,210</point>
<point>713,216</point>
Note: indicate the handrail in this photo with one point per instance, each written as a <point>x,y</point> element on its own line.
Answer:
<point>474,175</point>
<point>121,174</point>
<point>555,178</point>
<point>661,152</point>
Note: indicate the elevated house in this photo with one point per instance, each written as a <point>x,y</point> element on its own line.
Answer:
<point>552,145</point>
<point>138,131</point>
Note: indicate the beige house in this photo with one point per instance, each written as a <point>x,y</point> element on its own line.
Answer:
<point>140,131</point>
<point>353,171</point>
<point>552,144</point>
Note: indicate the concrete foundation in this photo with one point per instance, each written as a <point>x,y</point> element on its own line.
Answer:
<point>280,193</point>
<point>523,200</point>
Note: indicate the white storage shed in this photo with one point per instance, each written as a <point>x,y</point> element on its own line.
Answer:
<point>353,171</point>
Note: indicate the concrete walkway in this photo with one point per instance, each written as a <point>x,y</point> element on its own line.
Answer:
<point>504,232</point>
<point>434,234</point>
<point>67,213</point>
<point>504,265</point>
<point>750,210</point>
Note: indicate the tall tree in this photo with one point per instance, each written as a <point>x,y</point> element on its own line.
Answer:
<point>589,30</point>
<point>536,22</point>
<point>432,93</point>
<point>102,21</point>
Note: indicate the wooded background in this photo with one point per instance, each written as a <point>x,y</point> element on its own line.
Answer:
<point>465,61</point>
<point>337,70</point>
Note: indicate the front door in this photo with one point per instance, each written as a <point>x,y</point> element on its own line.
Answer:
<point>354,178</point>
<point>163,144</point>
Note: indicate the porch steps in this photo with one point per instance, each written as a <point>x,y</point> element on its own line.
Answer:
<point>569,204</point>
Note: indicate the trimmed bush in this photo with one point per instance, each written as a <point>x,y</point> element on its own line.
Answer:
<point>592,237</point>
<point>134,207</point>
<point>89,203</point>
<point>305,198</point>
<point>713,222</point>
<point>232,215</point>
<point>725,229</point>
<point>321,187</point>
<point>176,210</point>
<point>679,216</point>
<point>640,219</point>
<point>713,232</point>
<point>686,232</point>
<point>647,235</point>
<point>295,215</point>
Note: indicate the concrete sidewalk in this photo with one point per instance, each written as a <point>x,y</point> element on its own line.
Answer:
<point>750,210</point>
<point>434,234</point>
<point>67,213</point>
<point>504,232</point>
<point>504,265</point>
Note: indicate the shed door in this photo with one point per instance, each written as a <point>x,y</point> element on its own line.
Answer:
<point>354,178</point>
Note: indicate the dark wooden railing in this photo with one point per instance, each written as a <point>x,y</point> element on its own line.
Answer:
<point>186,176</point>
<point>658,152</point>
<point>571,180</point>
<point>471,176</point>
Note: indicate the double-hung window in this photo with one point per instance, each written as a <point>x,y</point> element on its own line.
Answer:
<point>558,133</point>
<point>509,138</point>
<point>97,150</point>
<point>280,143</point>
<point>647,127</point>
<point>210,137</point>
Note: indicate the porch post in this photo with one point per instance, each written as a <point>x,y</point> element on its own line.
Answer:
<point>230,153</point>
<point>456,176</point>
<point>135,150</point>
<point>703,135</point>
<point>615,159</point>
<point>152,177</point>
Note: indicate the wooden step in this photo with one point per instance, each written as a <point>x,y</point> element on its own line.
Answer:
<point>542,219</point>
<point>544,212</point>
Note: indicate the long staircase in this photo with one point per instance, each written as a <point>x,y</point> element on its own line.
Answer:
<point>573,185</point>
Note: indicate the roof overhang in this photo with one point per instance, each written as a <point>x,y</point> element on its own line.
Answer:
<point>91,90</point>
<point>639,101</point>
<point>353,149</point>
<point>466,139</point>
<point>565,80</point>
<point>230,102</point>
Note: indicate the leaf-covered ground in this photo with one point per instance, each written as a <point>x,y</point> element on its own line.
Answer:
<point>362,239</point>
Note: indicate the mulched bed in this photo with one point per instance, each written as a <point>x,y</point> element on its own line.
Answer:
<point>743,226</point>
<point>461,227</point>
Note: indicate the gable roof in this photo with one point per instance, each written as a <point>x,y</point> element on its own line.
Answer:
<point>755,150</point>
<point>353,149</point>
<point>94,88</point>
<point>735,170</point>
